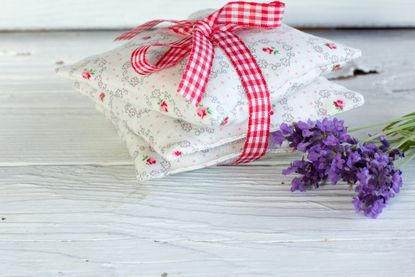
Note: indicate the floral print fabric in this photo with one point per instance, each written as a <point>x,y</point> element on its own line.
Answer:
<point>286,56</point>
<point>168,135</point>
<point>161,145</point>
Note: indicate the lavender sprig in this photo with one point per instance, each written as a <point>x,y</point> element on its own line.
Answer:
<point>332,155</point>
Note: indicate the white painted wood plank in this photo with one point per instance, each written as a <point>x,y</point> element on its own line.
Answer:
<point>43,120</point>
<point>28,60</point>
<point>232,221</point>
<point>109,14</point>
<point>56,128</point>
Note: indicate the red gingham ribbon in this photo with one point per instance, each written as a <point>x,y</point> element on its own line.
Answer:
<point>199,40</point>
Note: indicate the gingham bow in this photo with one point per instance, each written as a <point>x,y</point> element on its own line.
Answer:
<point>199,40</point>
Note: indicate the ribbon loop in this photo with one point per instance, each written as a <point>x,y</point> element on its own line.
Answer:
<point>200,38</point>
<point>251,14</point>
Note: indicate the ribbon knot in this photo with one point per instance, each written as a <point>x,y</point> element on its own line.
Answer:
<point>198,43</point>
<point>203,27</point>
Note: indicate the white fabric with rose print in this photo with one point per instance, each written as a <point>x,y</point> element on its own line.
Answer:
<point>149,134</point>
<point>287,57</point>
<point>172,138</point>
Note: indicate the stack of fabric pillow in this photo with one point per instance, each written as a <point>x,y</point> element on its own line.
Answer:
<point>165,134</point>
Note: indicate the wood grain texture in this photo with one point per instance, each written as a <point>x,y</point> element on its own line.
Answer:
<point>233,221</point>
<point>70,204</point>
<point>110,14</point>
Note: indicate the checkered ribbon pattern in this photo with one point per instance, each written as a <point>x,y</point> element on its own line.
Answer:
<point>198,42</point>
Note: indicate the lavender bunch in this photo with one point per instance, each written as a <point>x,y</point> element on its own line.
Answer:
<point>332,155</point>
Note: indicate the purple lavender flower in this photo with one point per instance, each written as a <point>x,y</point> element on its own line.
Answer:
<point>333,155</point>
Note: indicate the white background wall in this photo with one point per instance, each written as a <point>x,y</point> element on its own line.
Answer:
<point>113,14</point>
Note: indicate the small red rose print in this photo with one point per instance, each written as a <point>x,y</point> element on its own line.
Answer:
<point>202,111</point>
<point>177,153</point>
<point>271,112</point>
<point>336,67</point>
<point>87,74</point>
<point>149,160</point>
<point>224,121</point>
<point>331,45</point>
<point>339,104</point>
<point>146,38</point>
<point>101,96</point>
<point>163,106</point>
<point>270,50</point>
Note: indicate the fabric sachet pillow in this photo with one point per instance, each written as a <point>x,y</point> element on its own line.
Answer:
<point>286,56</point>
<point>172,138</point>
<point>168,156</point>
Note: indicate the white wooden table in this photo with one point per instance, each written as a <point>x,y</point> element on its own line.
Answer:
<point>70,204</point>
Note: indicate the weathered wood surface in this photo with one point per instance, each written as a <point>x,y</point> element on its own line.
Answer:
<point>111,14</point>
<point>70,205</point>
